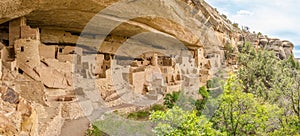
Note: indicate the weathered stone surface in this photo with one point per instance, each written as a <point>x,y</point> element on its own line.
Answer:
<point>17,118</point>
<point>283,48</point>
<point>263,42</point>
<point>57,36</point>
<point>51,63</point>
<point>51,78</point>
<point>72,15</point>
<point>9,95</point>
<point>76,110</point>
<point>6,126</point>
<point>64,67</point>
<point>27,52</point>
<point>47,51</point>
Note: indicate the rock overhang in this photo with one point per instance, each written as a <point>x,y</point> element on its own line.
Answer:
<point>174,18</point>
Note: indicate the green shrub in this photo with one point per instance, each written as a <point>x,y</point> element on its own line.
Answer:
<point>213,83</point>
<point>228,50</point>
<point>157,107</point>
<point>200,104</point>
<point>224,16</point>
<point>203,91</point>
<point>94,131</point>
<point>236,25</point>
<point>170,99</point>
<point>139,115</point>
<point>259,34</point>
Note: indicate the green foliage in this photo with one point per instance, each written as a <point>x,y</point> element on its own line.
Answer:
<point>170,99</point>
<point>116,125</point>
<point>144,114</point>
<point>241,113</point>
<point>139,115</point>
<point>157,107</point>
<point>290,126</point>
<point>94,131</point>
<point>294,64</point>
<point>213,83</point>
<point>262,99</point>
<point>275,81</point>
<point>203,92</point>
<point>246,49</point>
<point>224,16</point>
<point>259,33</point>
<point>229,51</point>
<point>259,71</point>
<point>200,104</point>
<point>177,122</point>
<point>236,25</point>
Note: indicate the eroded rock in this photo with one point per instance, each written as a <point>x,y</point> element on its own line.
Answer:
<point>9,95</point>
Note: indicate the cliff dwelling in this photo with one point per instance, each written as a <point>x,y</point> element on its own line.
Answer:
<point>51,61</point>
<point>55,70</point>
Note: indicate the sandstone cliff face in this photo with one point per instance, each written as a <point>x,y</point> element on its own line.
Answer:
<point>46,90</point>
<point>282,48</point>
<point>195,23</point>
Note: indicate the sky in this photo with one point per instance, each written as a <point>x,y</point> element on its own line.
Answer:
<point>275,18</point>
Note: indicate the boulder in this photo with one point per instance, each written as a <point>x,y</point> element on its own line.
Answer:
<point>263,42</point>
<point>9,95</point>
<point>51,77</point>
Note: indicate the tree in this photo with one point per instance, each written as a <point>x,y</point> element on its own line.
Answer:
<point>240,113</point>
<point>171,98</point>
<point>274,80</point>
<point>177,122</point>
<point>259,72</point>
<point>200,104</point>
<point>289,96</point>
<point>228,50</point>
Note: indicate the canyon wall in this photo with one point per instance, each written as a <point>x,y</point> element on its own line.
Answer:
<point>46,46</point>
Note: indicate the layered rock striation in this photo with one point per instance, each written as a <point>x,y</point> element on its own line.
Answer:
<point>49,46</point>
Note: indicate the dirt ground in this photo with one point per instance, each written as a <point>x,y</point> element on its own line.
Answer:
<point>76,127</point>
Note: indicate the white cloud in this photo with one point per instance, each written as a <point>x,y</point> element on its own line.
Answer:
<point>276,18</point>
<point>297,51</point>
<point>244,13</point>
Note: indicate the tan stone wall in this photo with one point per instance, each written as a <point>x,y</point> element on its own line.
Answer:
<point>27,52</point>
<point>168,74</point>
<point>66,50</point>
<point>3,54</point>
<point>0,69</point>
<point>15,30</point>
<point>18,29</point>
<point>11,65</point>
<point>98,66</point>
<point>173,88</point>
<point>47,51</point>
<point>138,80</point>
<point>150,72</point>
<point>32,33</point>
<point>57,36</point>
<point>3,35</point>
<point>70,58</point>
<point>200,60</point>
